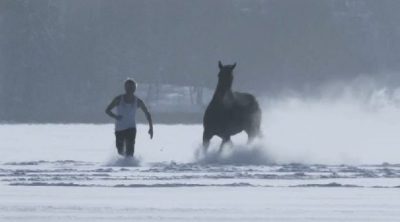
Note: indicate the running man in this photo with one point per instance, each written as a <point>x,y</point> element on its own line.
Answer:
<point>125,121</point>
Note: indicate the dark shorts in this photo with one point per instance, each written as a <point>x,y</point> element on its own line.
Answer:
<point>125,139</point>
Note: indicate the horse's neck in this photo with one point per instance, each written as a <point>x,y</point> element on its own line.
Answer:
<point>222,92</point>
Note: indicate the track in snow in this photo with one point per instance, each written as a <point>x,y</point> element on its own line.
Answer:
<point>127,173</point>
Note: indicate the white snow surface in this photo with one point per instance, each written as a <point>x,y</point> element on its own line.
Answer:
<point>71,172</point>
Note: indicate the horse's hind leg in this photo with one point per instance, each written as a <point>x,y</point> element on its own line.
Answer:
<point>254,128</point>
<point>252,134</point>
<point>226,140</point>
<point>206,139</point>
<point>250,138</point>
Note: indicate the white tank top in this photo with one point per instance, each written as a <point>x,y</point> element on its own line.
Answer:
<point>128,113</point>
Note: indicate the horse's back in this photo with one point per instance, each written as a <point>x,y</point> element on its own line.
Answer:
<point>246,101</point>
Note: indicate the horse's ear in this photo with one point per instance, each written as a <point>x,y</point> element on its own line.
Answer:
<point>234,65</point>
<point>220,65</point>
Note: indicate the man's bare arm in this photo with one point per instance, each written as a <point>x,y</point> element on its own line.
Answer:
<point>111,106</point>
<point>148,116</point>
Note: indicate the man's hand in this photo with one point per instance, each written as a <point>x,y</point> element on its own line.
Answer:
<point>118,117</point>
<point>148,117</point>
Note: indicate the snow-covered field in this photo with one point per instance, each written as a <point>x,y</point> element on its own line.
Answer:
<point>71,173</point>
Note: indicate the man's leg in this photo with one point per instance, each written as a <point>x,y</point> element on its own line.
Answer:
<point>119,142</point>
<point>130,142</point>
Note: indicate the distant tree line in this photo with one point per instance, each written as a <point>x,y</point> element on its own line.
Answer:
<point>63,60</point>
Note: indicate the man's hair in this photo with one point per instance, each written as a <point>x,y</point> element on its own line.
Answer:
<point>132,81</point>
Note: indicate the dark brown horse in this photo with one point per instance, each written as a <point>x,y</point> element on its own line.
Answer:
<point>230,112</point>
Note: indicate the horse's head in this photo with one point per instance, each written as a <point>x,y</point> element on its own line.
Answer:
<point>225,74</point>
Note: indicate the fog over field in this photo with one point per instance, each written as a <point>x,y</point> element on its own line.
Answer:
<point>63,61</point>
